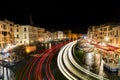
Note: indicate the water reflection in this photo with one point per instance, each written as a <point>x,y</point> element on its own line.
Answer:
<point>6,73</point>
<point>96,66</point>
<point>94,63</point>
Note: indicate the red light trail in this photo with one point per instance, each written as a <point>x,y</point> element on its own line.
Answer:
<point>34,67</point>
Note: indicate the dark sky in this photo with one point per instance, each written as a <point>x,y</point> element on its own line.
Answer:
<point>62,15</point>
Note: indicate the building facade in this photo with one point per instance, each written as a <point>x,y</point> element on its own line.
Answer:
<point>11,33</point>
<point>41,34</point>
<point>115,36</point>
<point>6,33</point>
<point>25,34</point>
<point>105,33</point>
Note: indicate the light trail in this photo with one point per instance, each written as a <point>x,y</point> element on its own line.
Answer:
<point>64,71</point>
<point>40,64</point>
<point>24,72</point>
<point>48,70</point>
<point>33,69</point>
<point>69,66</point>
<point>49,74</point>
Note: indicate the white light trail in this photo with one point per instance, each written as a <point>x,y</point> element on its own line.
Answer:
<point>70,68</point>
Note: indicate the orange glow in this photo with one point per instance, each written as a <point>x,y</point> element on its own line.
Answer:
<point>30,49</point>
<point>27,50</point>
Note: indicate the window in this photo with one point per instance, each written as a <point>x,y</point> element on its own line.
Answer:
<point>25,29</point>
<point>105,29</point>
<point>4,33</point>
<point>17,36</point>
<point>17,30</point>
<point>4,26</point>
<point>11,29</point>
<point>110,40</point>
<point>110,28</point>
<point>10,24</point>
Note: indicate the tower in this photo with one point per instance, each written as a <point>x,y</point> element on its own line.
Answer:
<point>31,21</point>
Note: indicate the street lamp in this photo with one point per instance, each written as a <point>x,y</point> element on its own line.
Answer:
<point>28,51</point>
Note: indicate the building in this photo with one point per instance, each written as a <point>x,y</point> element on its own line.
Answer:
<point>25,34</point>
<point>59,35</point>
<point>41,34</point>
<point>68,34</point>
<point>48,36</point>
<point>11,33</point>
<point>17,34</point>
<point>115,36</point>
<point>74,36</point>
<point>105,33</point>
<point>6,33</point>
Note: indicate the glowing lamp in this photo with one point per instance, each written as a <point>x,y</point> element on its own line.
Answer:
<point>27,50</point>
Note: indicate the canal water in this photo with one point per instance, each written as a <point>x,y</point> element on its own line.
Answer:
<point>94,64</point>
<point>8,72</point>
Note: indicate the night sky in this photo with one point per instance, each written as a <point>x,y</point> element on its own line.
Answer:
<point>62,15</point>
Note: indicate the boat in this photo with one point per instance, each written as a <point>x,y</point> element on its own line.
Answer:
<point>112,67</point>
